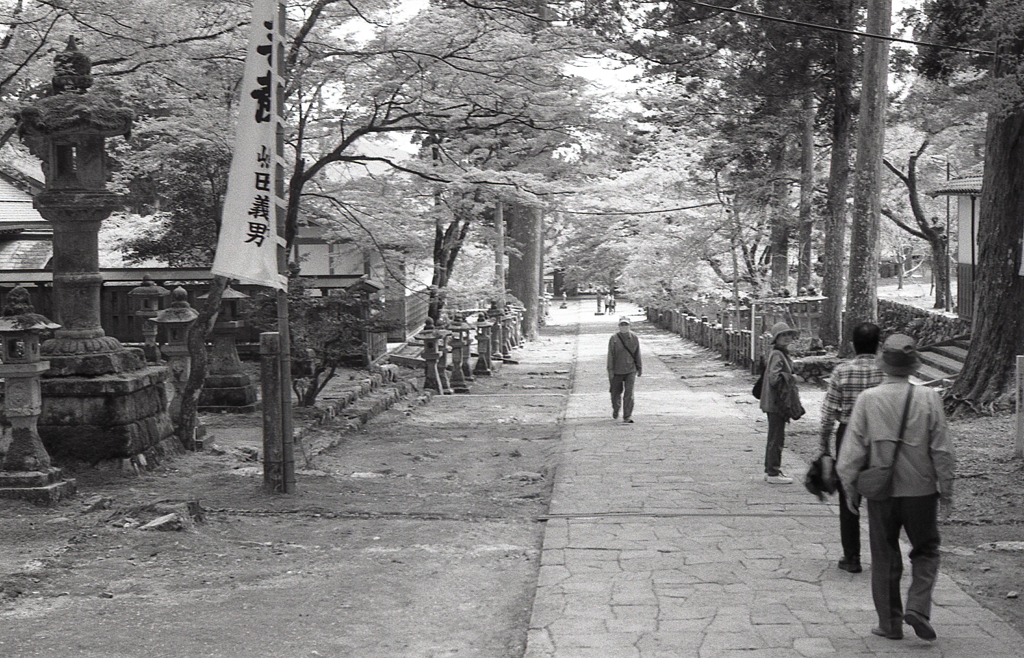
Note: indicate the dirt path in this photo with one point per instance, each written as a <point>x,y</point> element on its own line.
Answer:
<point>415,537</point>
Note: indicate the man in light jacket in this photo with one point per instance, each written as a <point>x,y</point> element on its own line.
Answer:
<point>624,366</point>
<point>922,481</point>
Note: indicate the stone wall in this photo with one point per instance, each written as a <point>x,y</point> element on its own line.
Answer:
<point>924,326</point>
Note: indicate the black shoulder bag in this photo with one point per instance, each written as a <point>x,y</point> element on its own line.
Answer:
<point>875,482</point>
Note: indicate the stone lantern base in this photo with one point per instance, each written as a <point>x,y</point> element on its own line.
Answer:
<point>40,487</point>
<point>111,416</point>
<point>233,393</point>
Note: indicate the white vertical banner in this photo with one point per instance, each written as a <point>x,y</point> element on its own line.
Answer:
<point>248,242</point>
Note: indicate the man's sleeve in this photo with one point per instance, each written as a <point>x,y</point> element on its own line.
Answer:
<point>611,353</point>
<point>854,453</point>
<point>940,447</point>
<point>831,406</point>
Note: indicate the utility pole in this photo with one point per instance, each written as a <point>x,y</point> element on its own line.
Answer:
<point>862,293</point>
<point>499,251</point>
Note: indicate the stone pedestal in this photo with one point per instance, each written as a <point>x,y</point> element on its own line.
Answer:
<point>113,416</point>
<point>227,387</point>
<point>46,487</point>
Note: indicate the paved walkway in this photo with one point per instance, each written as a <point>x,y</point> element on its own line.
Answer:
<point>664,540</point>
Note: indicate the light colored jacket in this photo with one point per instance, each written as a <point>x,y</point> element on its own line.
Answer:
<point>926,462</point>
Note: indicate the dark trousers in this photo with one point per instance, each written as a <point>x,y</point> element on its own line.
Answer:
<point>849,523</point>
<point>776,439</point>
<point>622,394</point>
<point>918,516</point>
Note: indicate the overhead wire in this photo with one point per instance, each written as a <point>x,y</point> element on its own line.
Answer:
<point>829,28</point>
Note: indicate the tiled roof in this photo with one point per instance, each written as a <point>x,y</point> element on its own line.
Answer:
<point>966,185</point>
<point>25,254</point>
<point>16,209</point>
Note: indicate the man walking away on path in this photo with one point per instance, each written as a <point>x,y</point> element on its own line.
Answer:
<point>848,380</point>
<point>624,366</point>
<point>922,480</point>
<point>776,370</point>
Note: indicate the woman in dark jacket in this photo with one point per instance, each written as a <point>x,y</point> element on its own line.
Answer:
<point>778,378</point>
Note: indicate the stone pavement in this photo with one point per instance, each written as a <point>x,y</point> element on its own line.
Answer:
<point>664,540</point>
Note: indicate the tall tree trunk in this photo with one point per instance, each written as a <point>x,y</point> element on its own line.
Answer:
<point>187,420</point>
<point>779,207</point>
<point>524,277</point>
<point>803,278</point>
<point>862,293</point>
<point>838,179</point>
<point>998,332</point>
<point>499,252</point>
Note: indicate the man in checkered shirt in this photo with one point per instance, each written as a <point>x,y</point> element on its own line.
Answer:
<point>847,381</point>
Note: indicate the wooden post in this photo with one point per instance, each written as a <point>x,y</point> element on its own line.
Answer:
<point>499,251</point>
<point>270,378</point>
<point>1018,445</point>
<point>285,345</point>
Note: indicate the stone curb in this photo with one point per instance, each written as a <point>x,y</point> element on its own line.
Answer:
<point>355,406</point>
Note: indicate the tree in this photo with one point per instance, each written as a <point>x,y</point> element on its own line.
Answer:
<point>997,334</point>
<point>862,294</point>
<point>926,228</point>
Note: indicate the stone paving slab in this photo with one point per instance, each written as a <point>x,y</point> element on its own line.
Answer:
<point>664,540</point>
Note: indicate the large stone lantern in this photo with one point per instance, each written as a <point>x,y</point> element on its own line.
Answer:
<point>227,386</point>
<point>100,399</point>
<point>26,471</point>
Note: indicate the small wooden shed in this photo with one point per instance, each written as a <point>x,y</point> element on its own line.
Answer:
<point>967,191</point>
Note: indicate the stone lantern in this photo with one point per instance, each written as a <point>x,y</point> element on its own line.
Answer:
<point>26,471</point>
<point>176,319</point>
<point>433,343</point>
<point>100,399</point>
<point>460,343</point>
<point>227,386</point>
<point>483,346</point>
<point>495,315</point>
<point>145,301</point>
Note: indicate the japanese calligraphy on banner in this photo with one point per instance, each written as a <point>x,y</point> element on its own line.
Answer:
<point>248,242</point>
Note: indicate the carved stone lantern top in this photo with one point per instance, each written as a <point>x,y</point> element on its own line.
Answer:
<point>20,327</point>
<point>66,130</point>
<point>20,316</point>
<point>229,301</point>
<point>146,298</point>
<point>179,312</point>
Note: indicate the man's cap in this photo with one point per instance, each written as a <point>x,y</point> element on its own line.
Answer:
<point>898,356</point>
<point>623,320</point>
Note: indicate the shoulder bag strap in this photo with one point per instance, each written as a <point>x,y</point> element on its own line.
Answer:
<point>628,350</point>
<point>903,424</point>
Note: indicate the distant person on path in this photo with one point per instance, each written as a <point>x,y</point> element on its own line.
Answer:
<point>609,303</point>
<point>922,481</point>
<point>624,366</point>
<point>778,376</point>
<point>848,380</point>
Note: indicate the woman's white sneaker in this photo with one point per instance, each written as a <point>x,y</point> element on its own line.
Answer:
<point>781,478</point>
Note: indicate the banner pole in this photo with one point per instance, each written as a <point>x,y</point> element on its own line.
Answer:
<point>287,431</point>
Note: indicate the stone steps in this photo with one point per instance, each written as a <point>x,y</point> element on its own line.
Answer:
<point>349,407</point>
<point>942,363</point>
